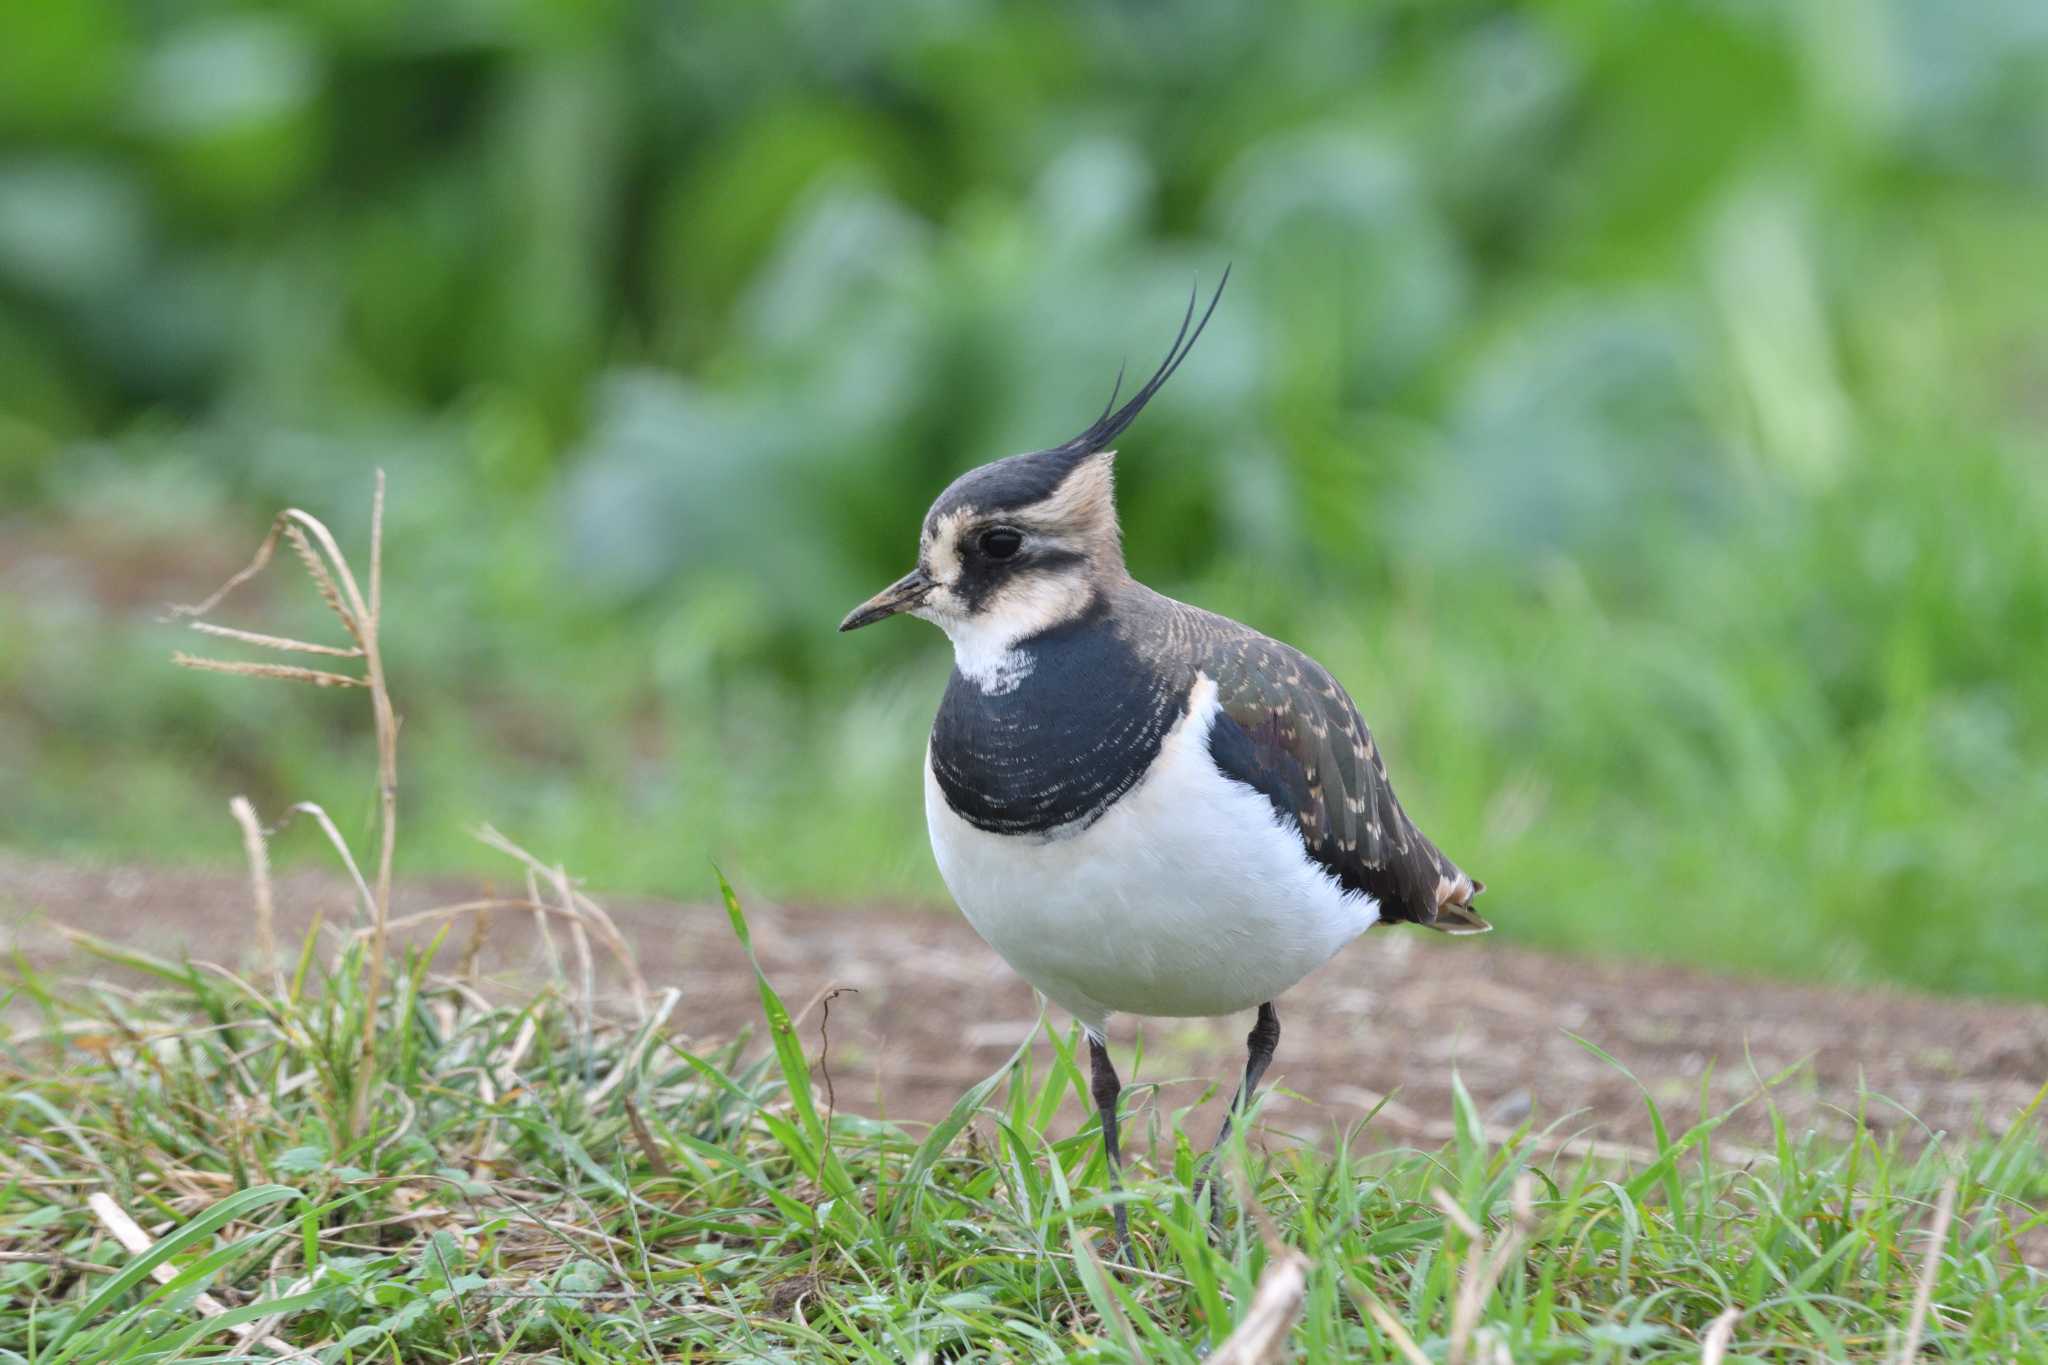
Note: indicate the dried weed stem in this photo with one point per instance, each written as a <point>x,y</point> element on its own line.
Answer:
<point>360,616</point>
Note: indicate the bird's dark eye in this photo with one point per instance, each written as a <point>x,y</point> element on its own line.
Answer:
<point>1001,543</point>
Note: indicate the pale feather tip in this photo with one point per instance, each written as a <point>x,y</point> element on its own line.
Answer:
<point>1454,912</point>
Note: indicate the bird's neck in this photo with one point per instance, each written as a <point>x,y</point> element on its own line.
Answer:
<point>1055,728</point>
<point>991,654</point>
<point>997,650</point>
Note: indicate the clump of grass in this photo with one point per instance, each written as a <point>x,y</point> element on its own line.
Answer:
<point>541,1186</point>
<point>361,616</point>
<point>357,1159</point>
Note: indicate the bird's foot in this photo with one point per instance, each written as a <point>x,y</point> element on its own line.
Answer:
<point>1119,1250</point>
<point>1205,1183</point>
<point>1216,1202</point>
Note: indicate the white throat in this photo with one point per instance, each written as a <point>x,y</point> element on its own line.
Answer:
<point>985,642</point>
<point>987,626</point>
<point>985,651</point>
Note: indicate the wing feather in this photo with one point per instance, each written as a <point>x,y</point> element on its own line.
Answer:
<point>1287,729</point>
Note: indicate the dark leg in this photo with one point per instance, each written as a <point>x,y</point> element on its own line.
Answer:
<point>1105,1086</point>
<point>1259,1045</point>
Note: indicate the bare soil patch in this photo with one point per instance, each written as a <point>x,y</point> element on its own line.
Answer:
<point>931,1010</point>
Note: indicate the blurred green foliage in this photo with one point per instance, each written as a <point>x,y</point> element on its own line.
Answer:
<point>1639,405</point>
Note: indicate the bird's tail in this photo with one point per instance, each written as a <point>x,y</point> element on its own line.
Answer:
<point>1454,912</point>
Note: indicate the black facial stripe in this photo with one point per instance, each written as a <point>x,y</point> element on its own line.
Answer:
<point>980,576</point>
<point>1056,558</point>
<point>1075,733</point>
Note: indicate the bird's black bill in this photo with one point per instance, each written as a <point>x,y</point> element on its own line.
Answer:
<point>902,595</point>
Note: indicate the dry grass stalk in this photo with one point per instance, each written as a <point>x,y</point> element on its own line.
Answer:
<point>277,642</point>
<point>649,1148</point>
<point>57,1261</point>
<point>387,776</point>
<point>630,1063</point>
<point>577,913</point>
<point>1410,1350</point>
<point>581,909</point>
<point>818,996</point>
<point>1720,1335</point>
<point>135,1241</point>
<point>367,901</point>
<point>1930,1271</point>
<point>1261,1334</point>
<point>608,933</point>
<point>507,1072</point>
<point>542,931</point>
<point>262,1329</point>
<point>1482,1271</point>
<point>471,967</point>
<point>258,853</point>
<point>360,616</point>
<point>579,939</point>
<point>482,909</point>
<point>1460,1219</point>
<point>323,581</point>
<point>282,672</point>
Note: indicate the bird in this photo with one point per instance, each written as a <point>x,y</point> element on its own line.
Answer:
<point>1143,807</point>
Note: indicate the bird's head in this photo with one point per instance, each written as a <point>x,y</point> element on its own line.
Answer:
<point>1020,545</point>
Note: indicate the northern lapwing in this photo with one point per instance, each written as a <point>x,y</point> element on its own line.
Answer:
<point>1144,807</point>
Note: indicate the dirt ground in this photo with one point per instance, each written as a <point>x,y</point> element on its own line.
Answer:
<point>931,1010</point>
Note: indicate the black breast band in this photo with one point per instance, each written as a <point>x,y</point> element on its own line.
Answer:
<point>1076,732</point>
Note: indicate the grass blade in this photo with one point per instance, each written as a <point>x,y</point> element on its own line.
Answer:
<point>217,1215</point>
<point>796,1068</point>
<point>945,1130</point>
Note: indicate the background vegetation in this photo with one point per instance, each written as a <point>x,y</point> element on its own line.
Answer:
<point>1639,406</point>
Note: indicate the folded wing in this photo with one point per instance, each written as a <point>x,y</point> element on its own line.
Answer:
<point>1290,732</point>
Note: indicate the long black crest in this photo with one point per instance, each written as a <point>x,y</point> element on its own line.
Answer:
<point>1108,426</point>
<point>1022,480</point>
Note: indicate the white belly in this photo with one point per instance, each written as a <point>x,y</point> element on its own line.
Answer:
<point>1189,896</point>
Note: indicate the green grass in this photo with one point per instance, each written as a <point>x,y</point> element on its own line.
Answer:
<point>603,1192</point>
<point>366,1161</point>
